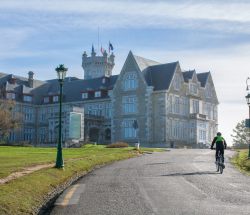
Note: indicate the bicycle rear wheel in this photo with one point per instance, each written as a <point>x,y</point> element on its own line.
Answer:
<point>220,165</point>
<point>221,169</point>
<point>217,166</point>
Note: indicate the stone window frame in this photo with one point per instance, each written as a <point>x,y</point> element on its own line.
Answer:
<point>177,105</point>
<point>110,93</point>
<point>192,129</point>
<point>27,98</point>
<point>193,88</point>
<point>177,82</point>
<point>202,134</point>
<point>10,95</point>
<point>46,99</point>
<point>196,106</point>
<point>42,134</point>
<point>130,81</point>
<point>95,109</point>
<point>128,130</point>
<point>28,114</point>
<point>129,104</point>
<point>208,91</point>
<point>28,134</point>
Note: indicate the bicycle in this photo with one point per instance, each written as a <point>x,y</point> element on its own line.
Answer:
<point>219,164</point>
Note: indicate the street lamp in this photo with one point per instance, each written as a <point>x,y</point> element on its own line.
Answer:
<point>61,73</point>
<point>248,102</point>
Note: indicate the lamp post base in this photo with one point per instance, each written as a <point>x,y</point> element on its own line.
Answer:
<point>59,159</point>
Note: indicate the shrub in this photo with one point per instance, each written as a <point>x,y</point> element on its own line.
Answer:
<point>118,145</point>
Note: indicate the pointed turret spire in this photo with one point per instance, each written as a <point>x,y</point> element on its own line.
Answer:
<point>93,51</point>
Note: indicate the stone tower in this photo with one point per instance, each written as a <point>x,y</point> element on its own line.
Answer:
<point>97,66</point>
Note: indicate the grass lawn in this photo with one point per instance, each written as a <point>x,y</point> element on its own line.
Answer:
<point>25,194</point>
<point>241,161</point>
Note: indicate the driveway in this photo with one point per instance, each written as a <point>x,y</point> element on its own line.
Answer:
<point>180,181</point>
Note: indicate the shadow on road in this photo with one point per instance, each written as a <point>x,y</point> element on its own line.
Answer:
<point>158,163</point>
<point>193,173</point>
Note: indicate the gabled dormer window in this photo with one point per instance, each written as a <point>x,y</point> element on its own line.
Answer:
<point>46,99</point>
<point>10,96</point>
<point>55,98</point>
<point>97,94</point>
<point>177,82</point>
<point>193,88</point>
<point>84,95</point>
<point>27,98</point>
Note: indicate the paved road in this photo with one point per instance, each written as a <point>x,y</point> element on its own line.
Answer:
<point>175,182</point>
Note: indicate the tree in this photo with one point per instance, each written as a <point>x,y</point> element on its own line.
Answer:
<point>240,135</point>
<point>9,120</point>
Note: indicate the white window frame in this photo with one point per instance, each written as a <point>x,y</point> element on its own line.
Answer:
<point>195,104</point>
<point>85,95</point>
<point>56,98</point>
<point>97,94</point>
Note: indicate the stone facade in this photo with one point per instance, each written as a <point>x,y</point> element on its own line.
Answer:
<point>172,107</point>
<point>182,114</point>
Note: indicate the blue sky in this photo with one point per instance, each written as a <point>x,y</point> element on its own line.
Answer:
<point>206,35</point>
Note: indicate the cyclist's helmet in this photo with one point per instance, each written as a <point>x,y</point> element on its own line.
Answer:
<point>218,134</point>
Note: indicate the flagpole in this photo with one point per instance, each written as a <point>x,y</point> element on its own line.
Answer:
<point>98,41</point>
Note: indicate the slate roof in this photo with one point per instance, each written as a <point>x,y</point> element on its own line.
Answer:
<point>188,75</point>
<point>157,75</point>
<point>202,77</point>
<point>160,76</point>
<point>72,89</point>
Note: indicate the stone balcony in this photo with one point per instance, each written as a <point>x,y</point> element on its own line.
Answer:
<point>198,116</point>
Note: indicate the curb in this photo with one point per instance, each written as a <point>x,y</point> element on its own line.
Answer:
<point>46,207</point>
<point>50,198</point>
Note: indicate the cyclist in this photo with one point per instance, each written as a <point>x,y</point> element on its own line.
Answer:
<point>220,146</point>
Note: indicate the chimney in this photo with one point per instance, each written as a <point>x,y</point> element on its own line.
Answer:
<point>12,79</point>
<point>31,80</point>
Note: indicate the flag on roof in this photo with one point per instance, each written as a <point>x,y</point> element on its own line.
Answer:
<point>110,47</point>
<point>93,50</point>
<point>102,50</point>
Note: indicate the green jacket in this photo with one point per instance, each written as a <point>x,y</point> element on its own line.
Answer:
<point>219,140</point>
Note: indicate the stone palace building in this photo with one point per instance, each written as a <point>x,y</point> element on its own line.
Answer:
<point>172,107</point>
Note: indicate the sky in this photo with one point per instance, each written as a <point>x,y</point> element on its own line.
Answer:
<point>206,35</point>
